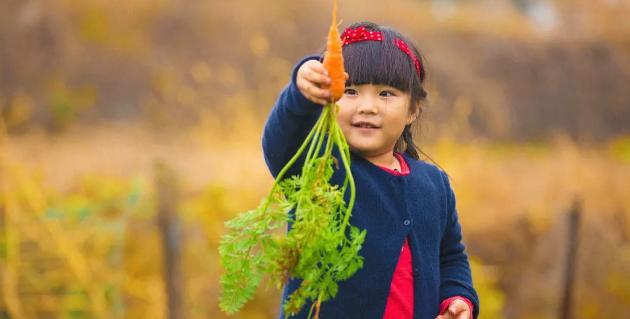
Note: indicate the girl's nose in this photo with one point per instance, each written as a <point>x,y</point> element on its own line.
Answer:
<point>367,106</point>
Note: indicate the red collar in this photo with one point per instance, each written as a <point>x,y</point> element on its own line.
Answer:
<point>404,168</point>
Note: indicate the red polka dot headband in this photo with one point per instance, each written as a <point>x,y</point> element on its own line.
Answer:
<point>362,34</point>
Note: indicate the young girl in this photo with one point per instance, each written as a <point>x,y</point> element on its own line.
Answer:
<point>415,265</point>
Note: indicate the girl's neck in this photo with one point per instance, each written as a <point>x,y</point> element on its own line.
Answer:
<point>386,159</point>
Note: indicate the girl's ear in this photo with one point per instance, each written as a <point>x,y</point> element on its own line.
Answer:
<point>413,116</point>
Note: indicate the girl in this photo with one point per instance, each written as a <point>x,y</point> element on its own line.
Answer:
<point>415,265</point>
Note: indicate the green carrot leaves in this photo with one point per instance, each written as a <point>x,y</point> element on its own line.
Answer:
<point>321,248</point>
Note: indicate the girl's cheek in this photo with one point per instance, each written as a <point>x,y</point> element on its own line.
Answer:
<point>344,112</point>
<point>342,104</point>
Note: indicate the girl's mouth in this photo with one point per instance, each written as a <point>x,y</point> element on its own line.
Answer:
<point>365,125</point>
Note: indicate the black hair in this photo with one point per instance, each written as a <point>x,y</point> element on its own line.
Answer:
<point>384,63</point>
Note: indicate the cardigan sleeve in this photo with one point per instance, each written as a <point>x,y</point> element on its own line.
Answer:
<point>289,122</point>
<point>455,274</point>
<point>445,303</point>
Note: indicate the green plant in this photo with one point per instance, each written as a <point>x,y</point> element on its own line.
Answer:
<point>321,246</point>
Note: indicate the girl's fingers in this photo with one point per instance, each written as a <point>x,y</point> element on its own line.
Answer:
<point>316,72</point>
<point>316,76</point>
<point>312,92</point>
<point>319,68</point>
<point>311,89</point>
<point>318,92</point>
<point>319,100</point>
<point>311,80</point>
<point>458,311</point>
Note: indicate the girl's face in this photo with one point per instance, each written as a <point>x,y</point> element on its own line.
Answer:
<point>372,117</point>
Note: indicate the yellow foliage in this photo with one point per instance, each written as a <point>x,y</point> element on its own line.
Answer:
<point>19,110</point>
<point>106,252</point>
<point>485,282</point>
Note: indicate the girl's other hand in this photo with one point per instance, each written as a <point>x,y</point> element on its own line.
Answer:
<point>457,309</point>
<point>312,80</point>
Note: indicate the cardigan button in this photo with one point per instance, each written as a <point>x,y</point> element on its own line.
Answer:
<point>407,222</point>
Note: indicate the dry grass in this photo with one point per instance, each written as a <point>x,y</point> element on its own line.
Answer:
<point>512,200</point>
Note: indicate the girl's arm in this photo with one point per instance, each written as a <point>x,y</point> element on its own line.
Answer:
<point>291,119</point>
<point>456,278</point>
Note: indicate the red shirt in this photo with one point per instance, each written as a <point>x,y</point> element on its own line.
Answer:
<point>400,299</point>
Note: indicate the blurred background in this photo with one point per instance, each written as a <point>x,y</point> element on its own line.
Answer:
<point>130,131</point>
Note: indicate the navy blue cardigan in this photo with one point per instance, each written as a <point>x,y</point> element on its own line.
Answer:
<point>420,206</point>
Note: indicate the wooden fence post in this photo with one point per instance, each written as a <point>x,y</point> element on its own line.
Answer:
<point>566,305</point>
<point>168,223</point>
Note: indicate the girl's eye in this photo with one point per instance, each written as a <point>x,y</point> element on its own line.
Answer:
<point>387,93</point>
<point>349,91</point>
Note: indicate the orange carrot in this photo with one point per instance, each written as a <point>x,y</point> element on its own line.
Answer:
<point>333,59</point>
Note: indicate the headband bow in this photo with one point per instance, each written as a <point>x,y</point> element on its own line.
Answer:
<point>362,34</point>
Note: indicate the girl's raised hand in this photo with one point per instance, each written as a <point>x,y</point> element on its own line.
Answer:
<point>457,309</point>
<point>312,80</point>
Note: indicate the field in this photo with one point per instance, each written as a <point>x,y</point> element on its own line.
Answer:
<point>130,132</point>
<point>102,257</point>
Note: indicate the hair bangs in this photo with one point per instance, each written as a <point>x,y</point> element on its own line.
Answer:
<point>379,62</point>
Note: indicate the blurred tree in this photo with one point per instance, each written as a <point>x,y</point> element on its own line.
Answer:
<point>510,58</point>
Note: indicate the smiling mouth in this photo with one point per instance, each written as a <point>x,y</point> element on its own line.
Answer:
<point>365,125</point>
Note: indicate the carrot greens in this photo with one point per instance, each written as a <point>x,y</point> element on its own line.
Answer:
<point>321,247</point>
